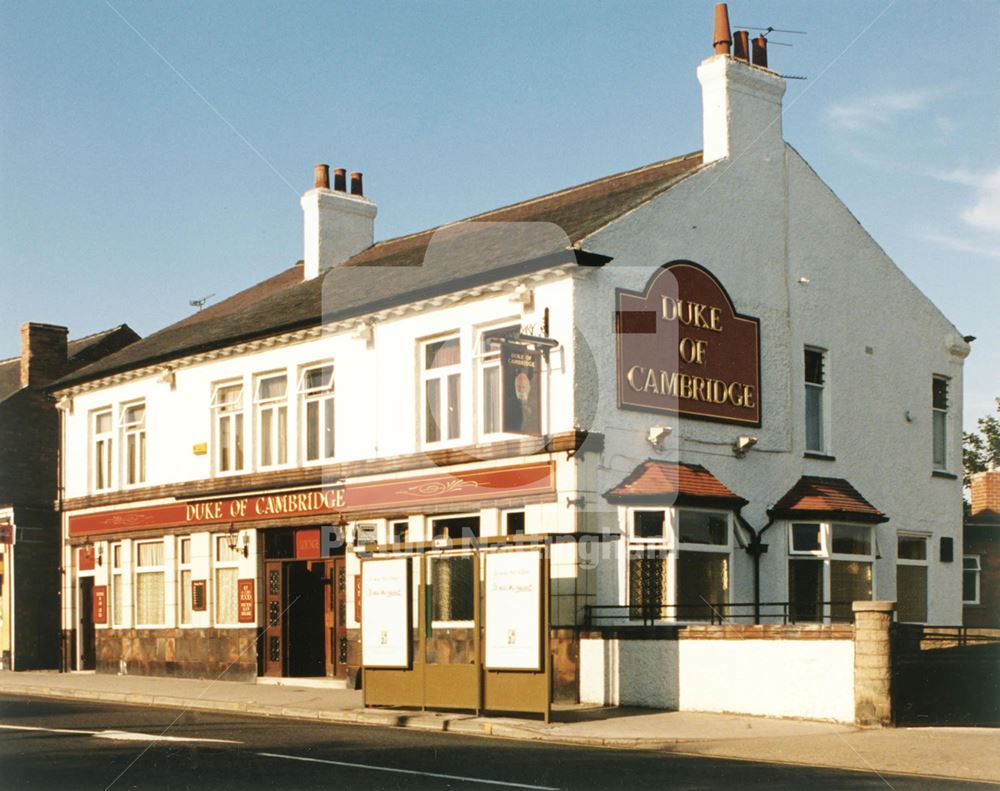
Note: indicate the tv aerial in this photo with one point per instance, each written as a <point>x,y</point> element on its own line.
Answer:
<point>766,31</point>
<point>200,303</point>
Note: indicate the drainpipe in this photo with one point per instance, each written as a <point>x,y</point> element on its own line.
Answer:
<point>755,549</point>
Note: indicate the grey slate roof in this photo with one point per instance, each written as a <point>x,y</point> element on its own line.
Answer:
<point>79,352</point>
<point>425,264</point>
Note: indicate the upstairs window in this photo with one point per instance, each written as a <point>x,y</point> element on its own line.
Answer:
<point>939,417</point>
<point>134,441</point>
<point>442,390</point>
<point>489,366</point>
<point>101,462</point>
<point>316,386</point>
<point>272,420</point>
<point>227,408</point>
<point>815,382</point>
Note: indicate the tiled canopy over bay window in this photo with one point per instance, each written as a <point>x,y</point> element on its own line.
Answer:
<point>680,522</point>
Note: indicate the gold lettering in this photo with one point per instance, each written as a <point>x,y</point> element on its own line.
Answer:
<point>631,374</point>
<point>650,385</point>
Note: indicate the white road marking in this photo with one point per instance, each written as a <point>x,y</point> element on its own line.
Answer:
<point>118,735</point>
<point>407,771</point>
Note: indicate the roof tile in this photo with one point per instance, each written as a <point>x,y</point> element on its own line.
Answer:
<point>817,497</point>
<point>676,481</point>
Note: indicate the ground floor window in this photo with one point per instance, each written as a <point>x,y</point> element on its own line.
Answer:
<point>679,564</point>
<point>970,579</point>
<point>830,566</point>
<point>911,578</point>
<point>150,580</point>
<point>226,576</point>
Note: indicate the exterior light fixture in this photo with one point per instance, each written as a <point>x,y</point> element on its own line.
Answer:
<point>233,539</point>
<point>657,434</point>
<point>743,443</point>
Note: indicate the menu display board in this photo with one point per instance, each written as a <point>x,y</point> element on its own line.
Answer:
<point>514,606</point>
<point>385,601</point>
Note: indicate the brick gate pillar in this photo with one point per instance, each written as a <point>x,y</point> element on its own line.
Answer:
<point>873,662</point>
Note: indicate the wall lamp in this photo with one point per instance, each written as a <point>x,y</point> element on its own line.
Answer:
<point>233,539</point>
<point>657,434</point>
<point>743,443</point>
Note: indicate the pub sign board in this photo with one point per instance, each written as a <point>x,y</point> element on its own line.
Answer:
<point>683,349</point>
<point>521,377</point>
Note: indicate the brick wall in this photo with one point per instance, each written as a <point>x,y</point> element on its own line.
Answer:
<point>985,492</point>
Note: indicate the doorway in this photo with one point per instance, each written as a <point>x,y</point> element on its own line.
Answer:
<point>306,609</point>
<point>88,653</point>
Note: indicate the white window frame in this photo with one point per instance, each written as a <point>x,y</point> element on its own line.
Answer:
<point>671,547</point>
<point>926,538</point>
<point>233,412</point>
<point>133,436</point>
<point>320,395</point>
<point>939,416</point>
<point>102,448</point>
<point>138,571</point>
<point>504,526</point>
<point>182,567</point>
<point>276,407</point>
<point>826,555</point>
<point>489,360</point>
<point>822,387</point>
<point>231,561</point>
<point>395,523</point>
<point>116,553</point>
<point>443,375</point>
<point>978,571</point>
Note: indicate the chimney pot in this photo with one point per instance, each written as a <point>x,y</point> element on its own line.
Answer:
<point>760,52</point>
<point>356,185</point>
<point>722,38</point>
<point>322,177</point>
<point>340,180</point>
<point>741,46</point>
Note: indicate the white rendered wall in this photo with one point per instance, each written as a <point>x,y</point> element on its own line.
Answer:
<point>812,679</point>
<point>759,224</point>
<point>377,404</point>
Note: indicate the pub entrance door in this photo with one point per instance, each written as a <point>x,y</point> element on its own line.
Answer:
<point>306,611</point>
<point>88,654</point>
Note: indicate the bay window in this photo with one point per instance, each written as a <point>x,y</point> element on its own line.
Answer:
<point>441,376</point>
<point>316,389</point>
<point>829,567</point>
<point>272,420</point>
<point>227,408</point>
<point>679,564</point>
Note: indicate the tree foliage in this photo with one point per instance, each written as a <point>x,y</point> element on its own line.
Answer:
<point>981,448</point>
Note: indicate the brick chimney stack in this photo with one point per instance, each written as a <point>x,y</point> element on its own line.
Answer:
<point>985,488</point>
<point>43,353</point>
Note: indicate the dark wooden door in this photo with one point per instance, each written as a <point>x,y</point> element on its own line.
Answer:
<point>337,618</point>
<point>274,648</point>
<point>88,655</point>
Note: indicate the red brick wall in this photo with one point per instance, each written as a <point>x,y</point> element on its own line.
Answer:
<point>984,540</point>
<point>985,490</point>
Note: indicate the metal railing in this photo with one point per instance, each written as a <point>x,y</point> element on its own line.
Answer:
<point>653,614</point>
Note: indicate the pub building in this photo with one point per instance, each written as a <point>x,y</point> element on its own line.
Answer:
<point>694,391</point>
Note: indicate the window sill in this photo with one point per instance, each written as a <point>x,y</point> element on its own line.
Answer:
<point>812,454</point>
<point>943,474</point>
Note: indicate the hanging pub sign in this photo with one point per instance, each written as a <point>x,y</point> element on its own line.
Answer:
<point>521,378</point>
<point>683,349</point>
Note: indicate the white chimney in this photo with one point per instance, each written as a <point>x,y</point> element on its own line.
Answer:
<point>337,224</point>
<point>741,102</point>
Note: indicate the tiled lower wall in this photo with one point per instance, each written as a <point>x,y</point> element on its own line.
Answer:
<point>225,654</point>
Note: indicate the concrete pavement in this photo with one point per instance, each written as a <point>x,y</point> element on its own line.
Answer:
<point>963,753</point>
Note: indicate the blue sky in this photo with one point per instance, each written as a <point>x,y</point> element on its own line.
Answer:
<point>154,153</point>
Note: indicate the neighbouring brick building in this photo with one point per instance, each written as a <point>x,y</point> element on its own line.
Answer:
<point>981,552</point>
<point>29,481</point>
